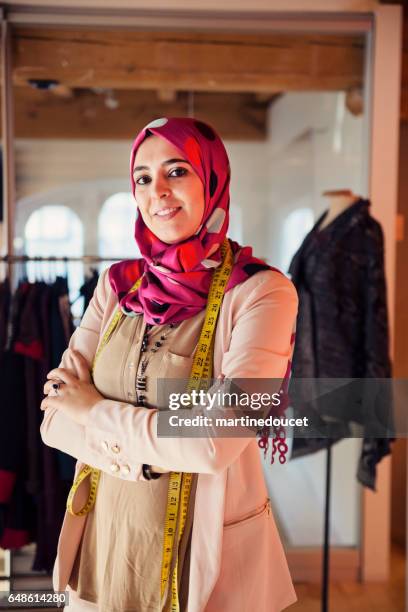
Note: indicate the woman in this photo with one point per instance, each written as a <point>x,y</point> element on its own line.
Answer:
<point>230,557</point>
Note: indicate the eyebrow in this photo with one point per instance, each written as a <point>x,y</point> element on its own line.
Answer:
<point>166,163</point>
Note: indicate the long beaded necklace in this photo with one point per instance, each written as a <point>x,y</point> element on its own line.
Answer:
<point>141,378</point>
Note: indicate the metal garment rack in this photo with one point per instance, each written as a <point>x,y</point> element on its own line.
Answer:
<point>83,258</point>
<point>9,260</point>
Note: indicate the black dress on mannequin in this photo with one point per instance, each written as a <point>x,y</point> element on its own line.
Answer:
<point>342,325</point>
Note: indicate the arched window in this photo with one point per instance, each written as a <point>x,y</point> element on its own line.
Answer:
<point>55,231</point>
<point>116,227</point>
<point>295,227</point>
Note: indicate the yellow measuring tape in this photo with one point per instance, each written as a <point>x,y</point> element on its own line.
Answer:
<point>179,482</point>
<point>84,473</point>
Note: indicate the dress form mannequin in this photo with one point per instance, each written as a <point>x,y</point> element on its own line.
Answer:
<point>339,200</point>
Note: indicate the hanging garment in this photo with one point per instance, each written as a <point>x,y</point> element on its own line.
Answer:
<point>5,297</point>
<point>342,324</point>
<point>34,479</point>
<point>88,288</point>
<point>17,520</point>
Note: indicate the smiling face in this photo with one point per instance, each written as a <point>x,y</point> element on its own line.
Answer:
<point>168,192</point>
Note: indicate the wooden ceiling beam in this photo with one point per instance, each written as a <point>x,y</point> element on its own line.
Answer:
<point>42,114</point>
<point>183,62</point>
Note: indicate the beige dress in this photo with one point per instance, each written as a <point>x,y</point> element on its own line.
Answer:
<point>117,568</point>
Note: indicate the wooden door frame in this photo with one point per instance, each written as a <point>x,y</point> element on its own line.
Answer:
<point>384,79</point>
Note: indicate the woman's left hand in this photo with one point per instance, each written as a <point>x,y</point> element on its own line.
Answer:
<point>76,395</point>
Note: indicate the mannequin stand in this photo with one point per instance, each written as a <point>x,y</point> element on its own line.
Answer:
<point>326,533</point>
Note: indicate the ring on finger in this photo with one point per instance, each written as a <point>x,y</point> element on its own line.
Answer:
<point>56,387</point>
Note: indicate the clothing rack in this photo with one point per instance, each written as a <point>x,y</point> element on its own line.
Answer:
<point>12,259</point>
<point>84,258</point>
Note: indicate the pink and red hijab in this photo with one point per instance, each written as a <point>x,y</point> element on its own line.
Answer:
<point>177,277</point>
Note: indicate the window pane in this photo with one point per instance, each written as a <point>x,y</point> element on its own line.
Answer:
<point>116,227</point>
<point>55,231</point>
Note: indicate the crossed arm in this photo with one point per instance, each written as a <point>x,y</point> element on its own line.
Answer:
<point>87,426</point>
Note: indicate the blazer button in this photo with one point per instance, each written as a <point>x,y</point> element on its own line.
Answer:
<point>114,467</point>
<point>105,445</point>
<point>115,449</point>
<point>125,469</point>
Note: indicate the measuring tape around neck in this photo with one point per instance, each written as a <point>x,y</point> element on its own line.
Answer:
<point>179,482</point>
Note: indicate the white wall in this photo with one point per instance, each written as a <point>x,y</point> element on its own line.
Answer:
<point>249,192</point>
<point>47,164</point>
<point>314,144</point>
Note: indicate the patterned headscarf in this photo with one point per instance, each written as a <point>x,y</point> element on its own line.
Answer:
<point>177,276</point>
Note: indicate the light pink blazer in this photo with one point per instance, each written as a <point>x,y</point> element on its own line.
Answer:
<point>237,559</point>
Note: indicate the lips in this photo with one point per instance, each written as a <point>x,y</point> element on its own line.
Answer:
<point>167,213</point>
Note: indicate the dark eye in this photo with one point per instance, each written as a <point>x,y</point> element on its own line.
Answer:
<point>176,172</point>
<point>143,180</point>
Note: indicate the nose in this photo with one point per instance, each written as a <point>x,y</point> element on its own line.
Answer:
<point>160,188</point>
